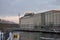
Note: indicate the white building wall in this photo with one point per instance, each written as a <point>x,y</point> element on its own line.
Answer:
<point>49,18</point>
<point>28,22</point>
<point>52,18</point>
<point>45,18</point>
<point>57,18</point>
<point>37,19</point>
<point>34,20</point>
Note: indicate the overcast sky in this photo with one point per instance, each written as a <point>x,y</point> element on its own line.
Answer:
<point>14,7</point>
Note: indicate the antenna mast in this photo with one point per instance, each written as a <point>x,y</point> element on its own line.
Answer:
<point>19,19</point>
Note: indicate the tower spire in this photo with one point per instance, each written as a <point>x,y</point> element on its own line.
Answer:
<point>19,19</point>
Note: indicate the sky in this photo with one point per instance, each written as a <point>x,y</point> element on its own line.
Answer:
<point>11,8</point>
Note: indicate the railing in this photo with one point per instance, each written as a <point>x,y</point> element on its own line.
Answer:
<point>10,36</point>
<point>3,37</point>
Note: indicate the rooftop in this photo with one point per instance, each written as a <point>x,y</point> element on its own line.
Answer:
<point>6,21</point>
<point>54,11</point>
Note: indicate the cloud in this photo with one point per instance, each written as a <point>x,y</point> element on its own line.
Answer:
<point>11,8</point>
<point>57,2</point>
<point>11,18</point>
<point>8,7</point>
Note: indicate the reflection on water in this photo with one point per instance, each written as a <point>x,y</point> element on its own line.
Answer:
<point>30,36</point>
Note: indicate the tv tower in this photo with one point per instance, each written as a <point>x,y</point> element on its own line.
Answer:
<point>19,19</point>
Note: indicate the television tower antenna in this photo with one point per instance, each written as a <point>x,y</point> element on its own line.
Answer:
<point>19,19</point>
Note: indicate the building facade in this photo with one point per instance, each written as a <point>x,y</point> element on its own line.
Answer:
<point>49,19</point>
<point>30,20</point>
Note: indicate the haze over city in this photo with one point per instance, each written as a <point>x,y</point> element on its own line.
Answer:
<point>9,9</point>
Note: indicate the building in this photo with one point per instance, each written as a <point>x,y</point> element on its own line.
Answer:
<point>49,18</point>
<point>30,20</point>
<point>5,25</point>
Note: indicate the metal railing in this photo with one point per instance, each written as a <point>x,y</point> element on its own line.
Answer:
<point>3,37</point>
